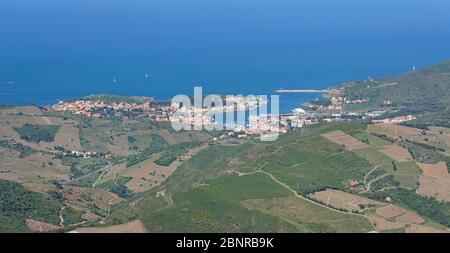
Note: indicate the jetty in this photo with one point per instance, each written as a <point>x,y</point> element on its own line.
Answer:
<point>302,91</point>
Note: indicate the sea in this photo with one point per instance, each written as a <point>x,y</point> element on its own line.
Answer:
<point>53,50</point>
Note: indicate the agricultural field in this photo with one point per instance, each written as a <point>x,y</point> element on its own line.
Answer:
<point>436,139</point>
<point>33,167</point>
<point>344,200</point>
<point>385,217</point>
<point>442,133</point>
<point>301,164</point>
<point>391,217</point>
<point>435,181</point>
<point>395,162</point>
<point>371,140</point>
<point>39,226</point>
<point>31,137</point>
<point>212,162</point>
<point>104,136</point>
<point>408,174</point>
<point>79,195</point>
<point>277,160</point>
<point>97,197</point>
<point>344,139</point>
<point>397,153</point>
<point>68,136</point>
<point>294,159</point>
<point>236,204</point>
<point>339,177</point>
<point>131,227</point>
<point>437,213</point>
<point>28,138</point>
<point>147,174</point>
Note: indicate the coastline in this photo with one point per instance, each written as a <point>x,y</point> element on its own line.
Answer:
<point>302,91</point>
<point>288,100</point>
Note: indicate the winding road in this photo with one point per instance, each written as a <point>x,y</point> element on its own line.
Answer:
<point>109,166</point>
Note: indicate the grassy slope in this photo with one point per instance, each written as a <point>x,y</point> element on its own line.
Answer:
<point>220,207</point>
<point>308,162</point>
<point>303,156</point>
<point>303,160</point>
<point>407,173</point>
<point>315,163</point>
<point>210,163</point>
<point>425,206</point>
<point>71,216</point>
<point>425,91</point>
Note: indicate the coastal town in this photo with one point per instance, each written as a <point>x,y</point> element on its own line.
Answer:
<point>105,109</point>
<point>330,109</point>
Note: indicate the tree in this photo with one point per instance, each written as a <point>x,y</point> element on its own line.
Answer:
<point>394,165</point>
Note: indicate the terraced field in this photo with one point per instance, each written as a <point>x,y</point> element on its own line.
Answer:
<point>98,197</point>
<point>435,181</point>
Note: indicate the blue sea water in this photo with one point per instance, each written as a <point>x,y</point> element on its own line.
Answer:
<point>51,49</point>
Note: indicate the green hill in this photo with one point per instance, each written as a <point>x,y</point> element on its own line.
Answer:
<point>232,204</point>
<point>18,203</point>
<point>423,92</point>
<point>206,198</point>
<point>262,187</point>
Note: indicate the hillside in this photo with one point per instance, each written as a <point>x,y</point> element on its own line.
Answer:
<point>133,173</point>
<point>60,159</point>
<point>299,183</point>
<point>18,204</point>
<point>424,92</point>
